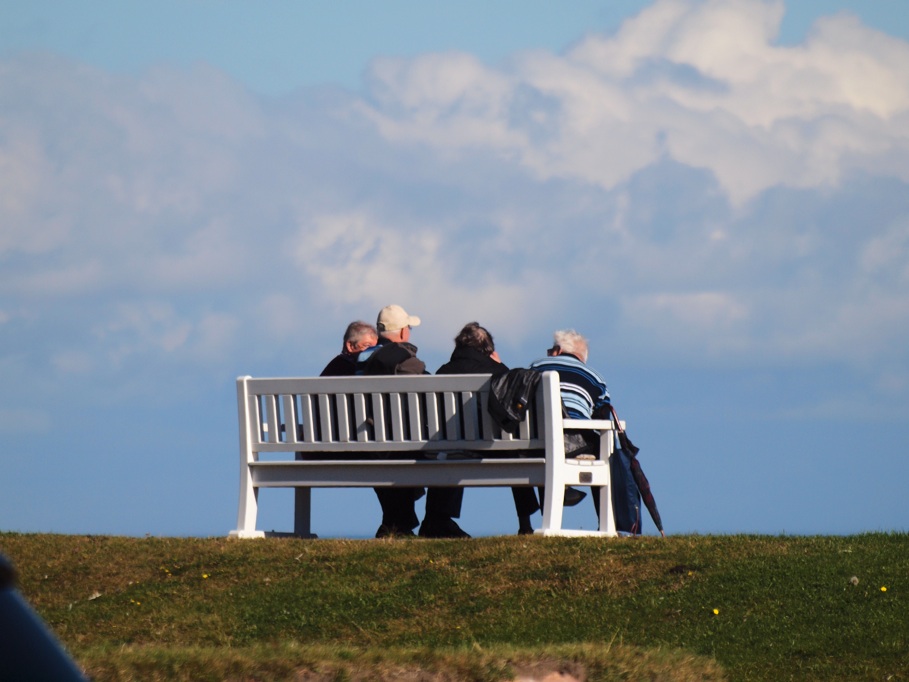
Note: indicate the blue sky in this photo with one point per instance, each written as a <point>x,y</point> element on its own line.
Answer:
<point>714,192</point>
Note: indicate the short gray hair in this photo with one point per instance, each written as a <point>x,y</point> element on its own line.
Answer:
<point>571,342</point>
<point>359,330</point>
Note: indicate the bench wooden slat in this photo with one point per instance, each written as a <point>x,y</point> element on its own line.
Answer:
<point>307,419</point>
<point>359,401</point>
<point>451,425</point>
<point>396,473</point>
<point>397,416</point>
<point>433,429</point>
<point>415,416</point>
<point>343,418</point>
<point>290,418</point>
<point>378,417</point>
<point>500,445</point>
<point>272,418</point>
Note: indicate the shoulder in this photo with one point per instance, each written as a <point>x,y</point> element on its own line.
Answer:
<point>470,361</point>
<point>340,365</point>
<point>394,358</point>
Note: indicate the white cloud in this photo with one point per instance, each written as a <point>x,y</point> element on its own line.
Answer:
<point>701,81</point>
<point>684,187</point>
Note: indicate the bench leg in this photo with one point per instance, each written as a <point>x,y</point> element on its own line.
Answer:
<point>607,514</point>
<point>554,500</point>
<point>303,513</point>
<point>249,509</point>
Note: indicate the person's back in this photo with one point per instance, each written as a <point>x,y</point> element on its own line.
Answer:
<point>390,357</point>
<point>583,389</point>
<point>475,353</point>
<point>394,355</point>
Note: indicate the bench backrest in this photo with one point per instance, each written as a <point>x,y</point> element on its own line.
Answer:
<point>381,414</point>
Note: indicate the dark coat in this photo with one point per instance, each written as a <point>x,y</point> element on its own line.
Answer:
<point>342,365</point>
<point>466,360</point>
<point>392,357</point>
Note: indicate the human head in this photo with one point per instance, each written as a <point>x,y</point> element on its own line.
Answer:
<point>570,342</point>
<point>476,337</point>
<point>394,323</point>
<point>359,336</point>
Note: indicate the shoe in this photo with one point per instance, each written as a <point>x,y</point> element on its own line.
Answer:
<point>525,531</point>
<point>441,528</point>
<point>573,496</point>
<point>389,531</point>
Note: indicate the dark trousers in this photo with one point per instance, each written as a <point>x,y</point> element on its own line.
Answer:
<point>525,501</point>
<point>444,503</point>
<point>397,507</point>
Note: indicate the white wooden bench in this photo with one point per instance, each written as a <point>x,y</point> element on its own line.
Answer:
<point>306,433</point>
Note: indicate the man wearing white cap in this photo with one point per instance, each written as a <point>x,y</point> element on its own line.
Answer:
<point>394,354</point>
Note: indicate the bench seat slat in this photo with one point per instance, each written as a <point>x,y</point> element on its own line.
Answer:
<point>392,473</point>
<point>407,446</point>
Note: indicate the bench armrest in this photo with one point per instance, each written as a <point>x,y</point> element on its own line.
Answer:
<point>596,424</point>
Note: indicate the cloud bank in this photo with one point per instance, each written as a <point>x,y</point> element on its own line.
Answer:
<point>685,191</point>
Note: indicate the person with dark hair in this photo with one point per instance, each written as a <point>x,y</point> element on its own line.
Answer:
<point>475,353</point>
<point>358,337</point>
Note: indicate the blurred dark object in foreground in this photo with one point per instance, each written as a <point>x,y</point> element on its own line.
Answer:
<point>28,650</point>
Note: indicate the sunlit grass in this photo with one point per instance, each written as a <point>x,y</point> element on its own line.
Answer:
<point>689,607</point>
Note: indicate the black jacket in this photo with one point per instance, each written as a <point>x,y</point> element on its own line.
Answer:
<point>465,360</point>
<point>341,365</point>
<point>391,357</point>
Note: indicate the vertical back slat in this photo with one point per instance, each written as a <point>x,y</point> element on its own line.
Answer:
<point>271,418</point>
<point>307,419</point>
<point>290,418</point>
<point>452,423</point>
<point>524,427</point>
<point>255,414</point>
<point>414,416</point>
<point>343,418</point>
<point>360,415</point>
<point>488,427</point>
<point>469,414</point>
<point>433,431</point>
<point>397,416</point>
<point>378,417</point>
<point>325,418</point>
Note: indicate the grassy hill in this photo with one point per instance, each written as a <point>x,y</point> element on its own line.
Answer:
<point>684,608</point>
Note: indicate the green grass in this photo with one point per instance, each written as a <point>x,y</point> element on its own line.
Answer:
<point>685,608</point>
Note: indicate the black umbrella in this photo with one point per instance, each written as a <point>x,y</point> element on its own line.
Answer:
<point>638,473</point>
